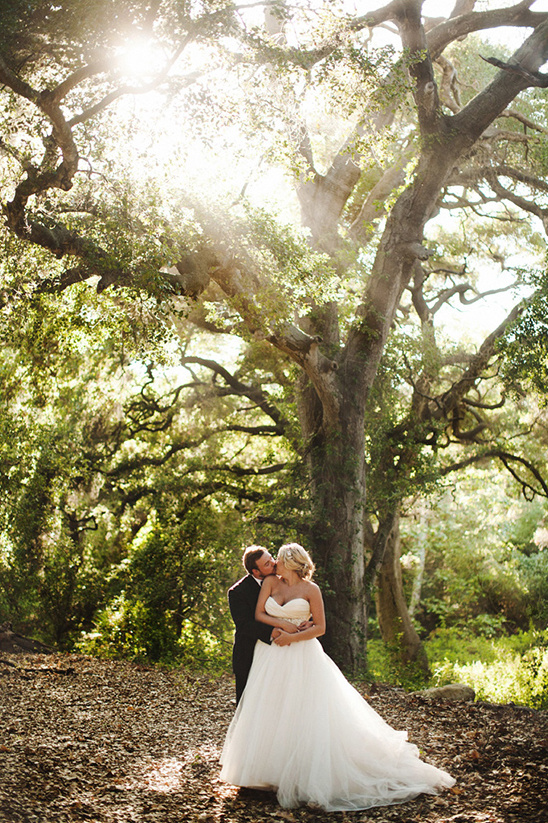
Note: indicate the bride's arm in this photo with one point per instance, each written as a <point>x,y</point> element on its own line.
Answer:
<point>318,618</point>
<point>260,612</point>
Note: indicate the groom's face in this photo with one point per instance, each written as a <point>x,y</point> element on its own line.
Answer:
<point>265,565</point>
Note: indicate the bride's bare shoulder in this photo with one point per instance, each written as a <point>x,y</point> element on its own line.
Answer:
<point>273,583</point>
<point>268,584</point>
<point>311,587</point>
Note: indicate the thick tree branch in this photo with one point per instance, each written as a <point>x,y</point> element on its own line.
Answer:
<point>461,289</point>
<point>237,387</point>
<point>449,90</point>
<point>323,197</point>
<point>129,498</point>
<point>13,82</point>
<point>507,459</point>
<point>73,80</point>
<point>419,65</point>
<point>533,78</point>
<point>480,112</point>
<point>521,176</point>
<point>375,205</point>
<point>458,27</point>
<point>254,430</point>
<point>462,21</point>
<point>242,471</point>
<point>522,118</point>
<point>450,400</point>
<point>125,90</point>
<point>526,205</point>
<point>128,465</point>
<point>485,406</point>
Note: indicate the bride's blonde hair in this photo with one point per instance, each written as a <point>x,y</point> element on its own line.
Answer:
<point>294,557</point>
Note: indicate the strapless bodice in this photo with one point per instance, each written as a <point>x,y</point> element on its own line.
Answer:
<point>295,611</point>
<point>303,730</point>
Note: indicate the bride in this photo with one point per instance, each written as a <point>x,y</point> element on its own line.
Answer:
<point>300,728</point>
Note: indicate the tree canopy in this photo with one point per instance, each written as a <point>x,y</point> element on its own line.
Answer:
<point>240,232</point>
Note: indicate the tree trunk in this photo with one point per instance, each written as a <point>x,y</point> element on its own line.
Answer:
<point>415,598</point>
<point>336,462</point>
<point>395,624</point>
<point>339,376</point>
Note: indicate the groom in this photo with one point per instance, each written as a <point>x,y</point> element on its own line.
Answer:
<point>242,599</point>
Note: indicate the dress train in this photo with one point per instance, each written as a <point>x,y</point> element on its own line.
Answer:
<point>304,731</point>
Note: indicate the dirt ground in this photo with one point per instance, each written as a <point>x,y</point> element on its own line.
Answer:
<point>114,742</point>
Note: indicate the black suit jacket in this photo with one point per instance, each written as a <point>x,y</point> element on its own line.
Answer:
<point>242,599</point>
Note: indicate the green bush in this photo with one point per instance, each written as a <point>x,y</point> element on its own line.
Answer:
<point>163,597</point>
<point>500,670</point>
<point>384,665</point>
<point>485,558</point>
<point>200,650</point>
<point>130,630</point>
<point>504,669</point>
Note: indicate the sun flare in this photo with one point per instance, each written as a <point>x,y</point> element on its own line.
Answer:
<point>139,59</point>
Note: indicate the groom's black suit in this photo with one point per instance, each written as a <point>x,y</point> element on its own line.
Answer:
<point>242,599</point>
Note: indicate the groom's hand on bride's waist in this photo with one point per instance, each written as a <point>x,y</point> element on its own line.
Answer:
<point>277,632</point>
<point>283,639</point>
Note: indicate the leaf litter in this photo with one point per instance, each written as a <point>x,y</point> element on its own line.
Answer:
<point>100,741</point>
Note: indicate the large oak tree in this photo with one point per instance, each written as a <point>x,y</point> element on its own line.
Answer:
<point>409,146</point>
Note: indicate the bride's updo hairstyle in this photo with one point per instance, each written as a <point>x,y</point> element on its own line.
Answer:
<point>297,559</point>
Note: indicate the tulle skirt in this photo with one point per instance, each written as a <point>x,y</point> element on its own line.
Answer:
<point>302,730</point>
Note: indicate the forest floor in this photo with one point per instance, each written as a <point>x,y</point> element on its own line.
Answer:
<point>112,742</point>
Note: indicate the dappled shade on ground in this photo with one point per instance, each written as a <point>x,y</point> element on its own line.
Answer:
<point>112,742</point>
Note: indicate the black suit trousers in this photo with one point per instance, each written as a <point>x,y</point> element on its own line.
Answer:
<point>242,599</point>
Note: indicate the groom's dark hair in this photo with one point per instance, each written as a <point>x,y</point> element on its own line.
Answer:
<point>251,555</point>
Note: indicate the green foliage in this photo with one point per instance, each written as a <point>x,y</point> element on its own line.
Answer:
<point>107,473</point>
<point>499,669</point>
<point>399,445</point>
<point>164,597</point>
<point>128,630</point>
<point>502,670</point>
<point>486,563</point>
<point>384,664</point>
<point>482,612</point>
<point>525,346</point>
<point>304,276</point>
<point>41,29</point>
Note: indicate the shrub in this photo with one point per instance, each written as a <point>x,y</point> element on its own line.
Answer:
<point>128,629</point>
<point>384,664</point>
<point>501,670</point>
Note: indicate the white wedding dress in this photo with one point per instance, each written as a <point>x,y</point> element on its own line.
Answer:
<point>304,731</point>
